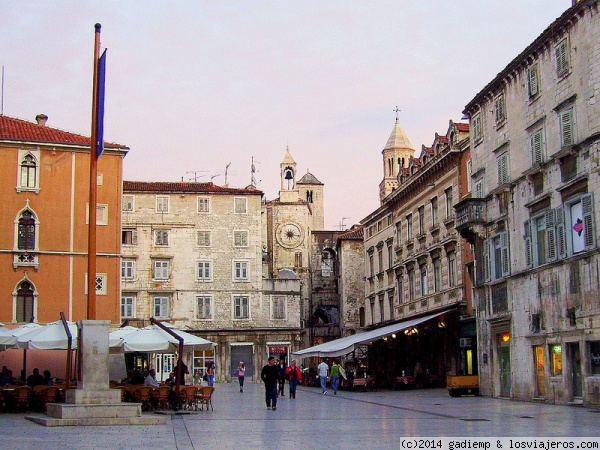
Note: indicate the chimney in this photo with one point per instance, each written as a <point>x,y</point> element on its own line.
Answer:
<point>41,119</point>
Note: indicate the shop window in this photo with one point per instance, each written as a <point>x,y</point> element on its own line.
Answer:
<point>556,367</point>
<point>595,357</point>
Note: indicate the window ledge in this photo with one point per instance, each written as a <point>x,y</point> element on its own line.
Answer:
<point>568,184</point>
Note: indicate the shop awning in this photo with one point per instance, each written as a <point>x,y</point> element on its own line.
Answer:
<point>345,345</point>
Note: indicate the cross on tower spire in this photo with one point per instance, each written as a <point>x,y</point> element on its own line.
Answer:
<point>397,111</point>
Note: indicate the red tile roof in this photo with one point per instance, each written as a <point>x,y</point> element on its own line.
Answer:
<point>12,129</point>
<point>355,233</point>
<point>184,187</point>
<point>462,126</point>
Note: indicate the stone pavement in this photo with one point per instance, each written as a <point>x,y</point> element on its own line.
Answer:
<point>349,420</point>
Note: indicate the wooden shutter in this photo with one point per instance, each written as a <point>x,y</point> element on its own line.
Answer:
<point>528,244</point>
<point>561,242</point>
<point>533,81</point>
<point>566,127</point>
<point>487,262</point>
<point>561,58</point>
<point>589,229</point>
<point>550,236</point>
<point>505,253</point>
<point>536,147</point>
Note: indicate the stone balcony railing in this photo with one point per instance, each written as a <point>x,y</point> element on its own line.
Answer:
<point>469,213</point>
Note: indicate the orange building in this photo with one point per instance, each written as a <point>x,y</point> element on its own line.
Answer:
<point>44,193</point>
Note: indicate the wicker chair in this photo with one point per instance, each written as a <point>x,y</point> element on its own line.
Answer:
<point>142,395</point>
<point>204,397</point>
<point>188,397</point>
<point>21,397</point>
<point>160,397</point>
<point>45,396</point>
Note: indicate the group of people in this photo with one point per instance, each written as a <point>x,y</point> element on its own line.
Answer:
<point>35,379</point>
<point>274,377</point>
<point>333,374</point>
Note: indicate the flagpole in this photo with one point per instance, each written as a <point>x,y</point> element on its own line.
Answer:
<point>91,281</point>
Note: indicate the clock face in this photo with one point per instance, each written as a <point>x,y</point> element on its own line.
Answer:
<point>289,235</point>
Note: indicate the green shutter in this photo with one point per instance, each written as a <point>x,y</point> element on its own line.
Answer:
<point>505,253</point>
<point>536,147</point>
<point>550,236</point>
<point>528,244</point>
<point>561,242</point>
<point>589,228</point>
<point>566,127</point>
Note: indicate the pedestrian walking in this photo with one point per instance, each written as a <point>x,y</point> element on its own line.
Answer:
<point>294,376</point>
<point>270,376</point>
<point>335,376</point>
<point>282,367</point>
<point>241,371</point>
<point>210,374</point>
<point>323,371</point>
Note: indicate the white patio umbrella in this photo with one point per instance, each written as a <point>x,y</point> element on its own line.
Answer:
<point>153,339</point>
<point>8,337</point>
<point>49,337</point>
<point>114,337</point>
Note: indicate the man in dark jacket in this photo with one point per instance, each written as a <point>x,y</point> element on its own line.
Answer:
<point>270,376</point>
<point>282,367</point>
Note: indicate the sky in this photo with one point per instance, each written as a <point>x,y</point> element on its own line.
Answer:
<point>192,86</point>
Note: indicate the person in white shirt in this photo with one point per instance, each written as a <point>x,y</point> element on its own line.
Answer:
<point>150,380</point>
<point>323,370</point>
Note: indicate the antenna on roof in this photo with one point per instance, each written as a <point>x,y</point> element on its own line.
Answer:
<point>253,181</point>
<point>196,174</point>
<point>342,224</point>
<point>2,102</point>
<point>214,176</point>
<point>226,167</point>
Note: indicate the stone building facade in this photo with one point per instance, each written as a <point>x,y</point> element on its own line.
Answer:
<point>351,285</point>
<point>193,255</point>
<point>413,261</point>
<point>535,132</point>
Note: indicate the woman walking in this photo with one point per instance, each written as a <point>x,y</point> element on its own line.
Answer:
<point>241,370</point>
<point>210,374</point>
<point>294,375</point>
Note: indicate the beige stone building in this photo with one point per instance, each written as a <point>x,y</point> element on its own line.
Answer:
<point>351,285</point>
<point>535,162</point>
<point>193,256</point>
<point>413,261</point>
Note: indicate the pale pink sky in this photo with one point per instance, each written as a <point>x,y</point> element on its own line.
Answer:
<point>194,85</point>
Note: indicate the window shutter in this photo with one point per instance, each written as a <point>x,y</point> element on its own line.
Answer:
<point>533,81</point>
<point>550,236</point>
<point>503,168</point>
<point>528,246</point>
<point>589,229</point>
<point>566,127</point>
<point>487,262</point>
<point>561,58</point>
<point>561,243</point>
<point>134,237</point>
<point>504,254</point>
<point>536,147</point>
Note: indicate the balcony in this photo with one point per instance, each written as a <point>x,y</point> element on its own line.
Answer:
<point>469,214</point>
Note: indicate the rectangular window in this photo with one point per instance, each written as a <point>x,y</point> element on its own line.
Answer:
<point>449,202</point>
<point>399,233</point>
<point>566,127</point>
<point>161,307</point>
<point>595,357</point>
<point>500,109</point>
<point>503,169</point>
<point>240,205</point>
<point>240,238</point>
<point>127,307</point>
<point>381,310</point>
<point>424,287</point>
<point>129,236</point>
<point>240,270</point>
<point>400,283</point>
<point>390,256</point>
<point>477,128</point>
<point>127,269</point>
<point>203,307</point>
<point>278,307</point>
<point>496,257</point>
<point>162,203</point>
<point>161,238</point>
<point>161,269</point>
<point>469,174</point>
<point>391,305</point>
<point>298,259</point>
<point>204,270</point>
<point>127,203</point>
<point>451,269</point>
<point>100,284</point>
<point>241,307</point>
<point>203,238</point>
<point>434,211</point>
<point>536,144</point>
<point>421,220</point>
<point>556,360</point>
<point>533,83</point>
<point>562,58</point>
<point>478,190</point>
<point>380,259</point>
<point>437,275</point>
<point>582,230</point>
<point>371,265</point>
<point>409,227</point>
<point>101,214</point>
<point>411,284</point>
<point>203,204</point>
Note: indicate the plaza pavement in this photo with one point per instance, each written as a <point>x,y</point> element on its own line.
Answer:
<point>349,420</point>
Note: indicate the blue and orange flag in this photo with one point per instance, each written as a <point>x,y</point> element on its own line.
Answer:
<point>100,105</point>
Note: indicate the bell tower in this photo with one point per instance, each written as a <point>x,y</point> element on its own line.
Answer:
<point>289,191</point>
<point>396,155</point>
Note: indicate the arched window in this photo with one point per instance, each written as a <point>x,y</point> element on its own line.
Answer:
<point>29,171</point>
<point>26,231</point>
<point>24,303</point>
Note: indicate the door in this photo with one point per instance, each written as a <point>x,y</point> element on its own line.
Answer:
<point>164,365</point>
<point>243,353</point>
<point>540,370</point>
<point>576,369</point>
<point>504,357</point>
